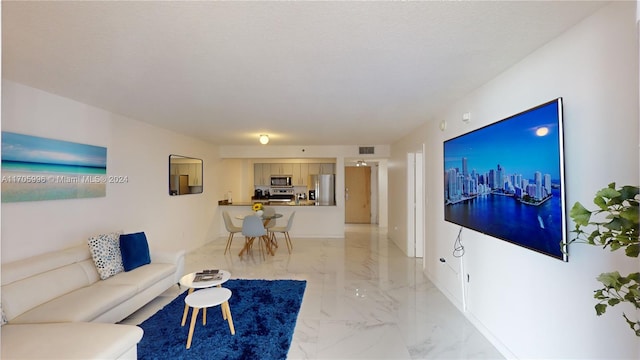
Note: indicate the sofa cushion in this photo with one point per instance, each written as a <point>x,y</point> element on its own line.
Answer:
<point>84,304</point>
<point>25,268</point>
<point>21,296</point>
<point>68,341</point>
<point>135,250</point>
<point>143,276</point>
<point>105,251</point>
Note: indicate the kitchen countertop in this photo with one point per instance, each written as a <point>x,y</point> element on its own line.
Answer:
<point>276,203</point>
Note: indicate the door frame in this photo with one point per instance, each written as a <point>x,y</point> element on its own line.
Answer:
<point>415,204</point>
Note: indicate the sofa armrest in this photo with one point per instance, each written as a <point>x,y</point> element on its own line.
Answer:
<point>170,257</point>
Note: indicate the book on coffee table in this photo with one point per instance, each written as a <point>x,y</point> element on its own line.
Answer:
<point>208,271</point>
<point>208,275</point>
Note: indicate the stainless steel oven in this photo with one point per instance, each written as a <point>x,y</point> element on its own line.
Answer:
<point>281,180</point>
<point>281,194</point>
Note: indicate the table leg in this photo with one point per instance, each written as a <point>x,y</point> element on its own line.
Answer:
<point>260,241</point>
<point>224,314</point>
<point>247,244</point>
<point>194,315</point>
<point>269,236</point>
<point>267,243</point>
<point>246,241</point>
<point>271,244</point>
<point>204,316</point>
<point>186,309</point>
<point>227,309</point>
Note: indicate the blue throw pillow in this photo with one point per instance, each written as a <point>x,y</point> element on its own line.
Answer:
<point>135,250</point>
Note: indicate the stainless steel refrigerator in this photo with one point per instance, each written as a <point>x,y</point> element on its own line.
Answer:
<point>325,188</point>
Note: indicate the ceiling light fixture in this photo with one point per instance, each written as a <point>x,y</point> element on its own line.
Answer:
<point>264,139</point>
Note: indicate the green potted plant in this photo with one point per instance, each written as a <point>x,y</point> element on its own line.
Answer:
<point>613,224</point>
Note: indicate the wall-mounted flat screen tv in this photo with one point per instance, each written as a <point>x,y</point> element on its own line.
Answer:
<point>506,180</point>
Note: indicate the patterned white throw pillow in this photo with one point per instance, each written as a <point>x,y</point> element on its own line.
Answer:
<point>105,251</point>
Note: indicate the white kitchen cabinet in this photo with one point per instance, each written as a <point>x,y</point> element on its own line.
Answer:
<point>314,169</point>
<point>257,174</point>
<point>174,169</point>
<point>287,169</point>
<point>300,171</point>
<point>195,175</point>
<point>304,174</point>
<point>190,170</point>
<point>296,174</point>
<point>266,174</point>
<point>300,174</point>
<point>326,168</point>
<point>282,169</point>
<point>187,169</point>
<point>261,174</point>
<point>183,169</point>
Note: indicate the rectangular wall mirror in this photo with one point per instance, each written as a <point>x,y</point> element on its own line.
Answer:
<point>185,175</point>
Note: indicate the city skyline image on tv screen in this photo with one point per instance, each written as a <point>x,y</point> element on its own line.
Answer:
<point>506,180</point>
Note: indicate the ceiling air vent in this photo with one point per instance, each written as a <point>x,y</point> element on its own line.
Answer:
<point>366,150</point>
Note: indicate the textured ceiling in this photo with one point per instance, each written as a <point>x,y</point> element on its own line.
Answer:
<point>307,73</point>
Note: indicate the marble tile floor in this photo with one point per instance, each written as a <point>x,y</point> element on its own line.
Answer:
<point>364,299</point>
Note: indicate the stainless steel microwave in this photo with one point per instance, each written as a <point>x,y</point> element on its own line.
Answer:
<point>281,180</point>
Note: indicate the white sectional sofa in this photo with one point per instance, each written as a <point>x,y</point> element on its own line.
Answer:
<point>58,307</point>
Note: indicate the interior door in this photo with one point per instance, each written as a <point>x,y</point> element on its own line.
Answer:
<point>357,195</point>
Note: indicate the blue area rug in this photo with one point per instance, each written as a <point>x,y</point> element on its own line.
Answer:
<point>264,314</point>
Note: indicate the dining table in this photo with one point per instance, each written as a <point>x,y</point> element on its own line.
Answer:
<point>269,241</point>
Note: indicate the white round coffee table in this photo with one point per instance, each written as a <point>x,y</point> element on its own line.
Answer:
<point>189,281</point>
<point>202,299</point>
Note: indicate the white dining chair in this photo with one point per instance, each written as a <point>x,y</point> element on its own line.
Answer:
<point>231,228</point>
<point>270,212</point>
<point>252,228</point>
<point>285,230</point>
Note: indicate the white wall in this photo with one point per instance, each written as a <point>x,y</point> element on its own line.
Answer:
<point>300,151</point>
<point>398,192</point>
<point>140,152</point>
<point>237,178</point>
<point>530,305</point>
<point>134,149</point>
